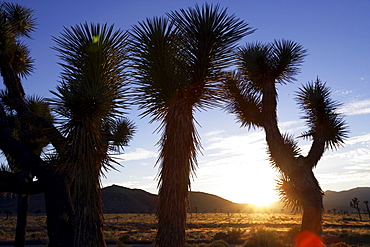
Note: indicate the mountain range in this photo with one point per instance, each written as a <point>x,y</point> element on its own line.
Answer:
<point>117,199</point>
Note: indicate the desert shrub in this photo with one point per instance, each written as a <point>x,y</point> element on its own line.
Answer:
<point>232,236</point>
<point>262,237</point>
<point>219,243</point>
<point>191,245</point>
<point>3,234</point>
<point>292,233</point>
<point>356,236</point>
<point>342,244</point>
<point>122,239</point>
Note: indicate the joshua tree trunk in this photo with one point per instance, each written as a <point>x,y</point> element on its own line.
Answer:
<point>367,208</point>
<point>312,201</point>
<point>59,210</point>
<point>87,158</point>
<point>88,212</point>
<point>177,158</point>
<point>22,212</point>
<point>299,169</point>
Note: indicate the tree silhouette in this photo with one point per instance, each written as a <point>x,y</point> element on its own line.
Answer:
<point>15,62</point>
<point>34,142</point>
<point>91,99</point>
<point>354,203</point>
<point>177,61</point>
<point>8,212</point>
<point>253,98</point>
<point>367,208</point>
<point>63,173</point>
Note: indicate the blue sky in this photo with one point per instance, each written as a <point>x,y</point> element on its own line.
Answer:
<point>233,163</point>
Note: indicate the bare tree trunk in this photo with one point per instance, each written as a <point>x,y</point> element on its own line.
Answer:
<point>22,213</point>
<point>311,197</point>
<point>312,212</point>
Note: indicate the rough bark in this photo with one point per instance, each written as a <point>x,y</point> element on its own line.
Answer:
<point>177,160</point>
<point>87,204</point>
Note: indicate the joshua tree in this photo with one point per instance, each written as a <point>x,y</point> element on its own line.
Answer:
<point>354,203</point>
<point>253,98</point>
<point>8,212</point>
<point>34,142</point>
<point>177,63</point>
<point>18,22</point>
<point>56,176</point>
<point>367,208</point>
<point>90,101</point>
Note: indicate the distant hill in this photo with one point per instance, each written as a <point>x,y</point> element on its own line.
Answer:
<point>340,200</point>
<point>207,203</point>
<point>117,199</point>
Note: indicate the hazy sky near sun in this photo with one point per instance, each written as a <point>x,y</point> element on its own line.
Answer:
<point>233,163</point>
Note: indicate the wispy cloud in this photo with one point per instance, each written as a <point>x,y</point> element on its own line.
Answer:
<point>234,145</point>
<point>362,139</point>
<point>137,154</point>
<point>343,92</point>
<point>354,177</point>
<point>356,108</point>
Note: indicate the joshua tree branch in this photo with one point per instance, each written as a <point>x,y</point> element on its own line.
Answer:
<point>316,151</point>
<point>16,97</point>
<point>19,152</point>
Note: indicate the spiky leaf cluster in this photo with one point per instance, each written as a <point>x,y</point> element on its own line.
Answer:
<point>279,60</point>
<point>321,115</point>
<point>288,193</point>
<point>92,92</point>
<point>93,78</point>
<point>16,21</point>
<point>290,144</point>
<point>245,100</point>
<point>182,54</point>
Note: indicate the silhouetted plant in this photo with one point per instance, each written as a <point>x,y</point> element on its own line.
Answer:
<point>292,233</point>
<point>8,213</point>
<point>232,236</point>
<point>367,210</point>
<point>262,237</point>
<point>219,243</point>
<point>355,204</point>
<point>122,239</point>
<point>342,244</point>
<point>91,98</point>
<point>253,95</point>
<point>178,61</point>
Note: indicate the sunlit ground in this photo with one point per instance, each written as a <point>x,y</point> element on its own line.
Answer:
<point>141,228</point>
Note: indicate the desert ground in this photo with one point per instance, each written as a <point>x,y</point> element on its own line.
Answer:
<point>203,228</point>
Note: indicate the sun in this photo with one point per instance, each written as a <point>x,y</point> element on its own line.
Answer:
<point>260,194</point>
<point>253,185</point>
